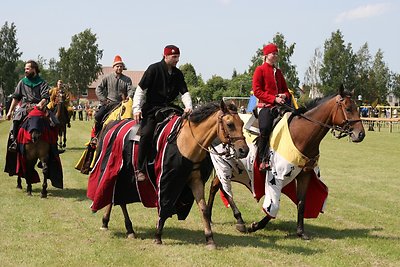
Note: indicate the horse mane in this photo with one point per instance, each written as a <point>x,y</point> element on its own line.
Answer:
<point>204,111</point>
<point>312,103</point>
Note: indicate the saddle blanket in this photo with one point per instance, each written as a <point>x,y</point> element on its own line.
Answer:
<point>286,163</point>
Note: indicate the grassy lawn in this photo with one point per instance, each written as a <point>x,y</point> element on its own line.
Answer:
<point>360,226</point>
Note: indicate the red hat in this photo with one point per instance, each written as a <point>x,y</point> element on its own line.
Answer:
<point>118,60</point>
<point>270,48</point>
<point>171,50</point>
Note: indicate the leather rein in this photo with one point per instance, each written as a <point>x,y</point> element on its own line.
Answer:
<point>344,130</point>
<point>221,127</point>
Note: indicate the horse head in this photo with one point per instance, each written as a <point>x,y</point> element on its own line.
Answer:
<point>35,135</point>
<point>346,117</point>
<point>230,130</point>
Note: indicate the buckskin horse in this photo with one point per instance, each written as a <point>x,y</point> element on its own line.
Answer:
<point>36,141</point>
<point>306,131</point>
<point>180,171</point>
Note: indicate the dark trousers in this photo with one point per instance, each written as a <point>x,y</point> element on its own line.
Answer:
<point>101,114</point>
<point>148,126</point>
<point>265,122</point>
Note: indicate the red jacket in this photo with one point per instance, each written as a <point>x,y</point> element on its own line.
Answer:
<point>266,85</point>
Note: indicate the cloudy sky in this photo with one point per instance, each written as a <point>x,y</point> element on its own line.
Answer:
<point>216,36</point>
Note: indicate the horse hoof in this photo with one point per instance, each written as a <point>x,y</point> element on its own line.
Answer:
<point>131,236</point>
<point>158,241</point>
<point>241,228</point>
<point>104,228</point>
<point>19,187</point>
<point>211,246</point>
<point>303,236</point>
<point>252,228</point>
<point>43,196</point>
<point>29,194</point>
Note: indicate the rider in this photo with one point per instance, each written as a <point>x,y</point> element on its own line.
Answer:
<point>53,92</point>
<point>269,86</point>
<point>160,85</point>
<point>110,91</point>
<point>31,91</point>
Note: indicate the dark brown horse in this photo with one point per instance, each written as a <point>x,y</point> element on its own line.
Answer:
<point>193,138</point>
<point>36,141</point>
<point>62,115</point>
<point>339,114</point>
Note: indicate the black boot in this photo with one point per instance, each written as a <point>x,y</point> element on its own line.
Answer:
<point>13,144</point>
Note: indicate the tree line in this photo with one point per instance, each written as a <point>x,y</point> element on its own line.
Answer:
<point>334,64</point>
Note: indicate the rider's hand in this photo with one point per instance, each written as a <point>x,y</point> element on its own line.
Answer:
<point>137,116</point>
<point>8,116</point>
<point>279,100</point>
<point>188,110</point>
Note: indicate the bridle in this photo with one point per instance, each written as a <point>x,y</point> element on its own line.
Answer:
<point>344,128</point>
<point>228,144</point>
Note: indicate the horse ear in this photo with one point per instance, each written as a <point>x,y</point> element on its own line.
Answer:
<point>341,90</point>
<point>223,106</point>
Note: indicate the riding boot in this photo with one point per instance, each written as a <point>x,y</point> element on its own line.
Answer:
<point>263,152</point>
<point>13,139</point>
<point>13,144</point>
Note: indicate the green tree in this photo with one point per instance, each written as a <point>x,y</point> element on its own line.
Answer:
<point>78,64</point>
<point>363,70</point>
<point>284,63</point>
<point>396,84</point>
<point>191,79</point>
<point>240,84</point>
<point>338,65</point>
<point>9,56</point>
<point>379,78</point>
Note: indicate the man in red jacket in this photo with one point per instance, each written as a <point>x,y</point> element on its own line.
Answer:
<point>269,86</point>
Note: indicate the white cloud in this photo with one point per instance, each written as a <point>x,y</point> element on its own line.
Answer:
<point>363,12</point>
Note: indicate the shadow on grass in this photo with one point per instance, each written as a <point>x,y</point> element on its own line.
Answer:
<point>261,238</point>
<point>77,194</point>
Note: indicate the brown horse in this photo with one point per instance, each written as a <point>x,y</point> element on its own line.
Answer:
<point>191,142</point>
<point>338,113</point>
<point>63,116</point>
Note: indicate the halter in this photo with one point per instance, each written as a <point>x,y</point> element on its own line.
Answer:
<point>230,139</point>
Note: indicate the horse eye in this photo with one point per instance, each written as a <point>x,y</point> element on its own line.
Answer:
<point>231,125</point>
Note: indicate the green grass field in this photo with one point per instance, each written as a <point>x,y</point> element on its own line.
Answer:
<point>360,226</point>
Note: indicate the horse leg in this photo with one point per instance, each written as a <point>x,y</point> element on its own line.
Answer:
<point>160,227</point>
<point>240,224</point>
<point>106,217</point>
<point>215,186</point>
<point>19,182</point>
<point>128,223</point>
<point>45,177</point>
<point>30,165</point>
<point>197,186</point>
<point>303,179</point>
<point>259,225</point>
<point>65,138</point>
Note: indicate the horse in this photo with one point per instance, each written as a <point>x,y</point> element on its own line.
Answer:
<point>62,114</point>
<point>336,113</point>
<point>36,141</point>
<point>176,187</point>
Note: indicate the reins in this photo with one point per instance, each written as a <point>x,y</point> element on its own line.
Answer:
<point>343,130</point>
<point>230,139</point>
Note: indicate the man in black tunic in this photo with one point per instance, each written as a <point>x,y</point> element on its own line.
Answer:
<point>161,83</point>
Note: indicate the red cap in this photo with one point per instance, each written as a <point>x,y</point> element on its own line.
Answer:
<point>270,48</point>
<point>171,50</point>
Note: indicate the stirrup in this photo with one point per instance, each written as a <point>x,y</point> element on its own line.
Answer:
<point>13,147</point>
<point>140,176</point>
